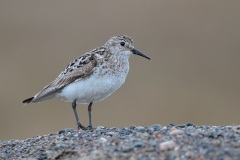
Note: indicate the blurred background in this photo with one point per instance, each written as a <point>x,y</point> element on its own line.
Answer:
<point>193,75</point>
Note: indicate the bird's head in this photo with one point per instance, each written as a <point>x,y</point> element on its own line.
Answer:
<point>123,46</point>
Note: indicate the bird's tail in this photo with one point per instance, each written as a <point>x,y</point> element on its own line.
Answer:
<point>28,100</point>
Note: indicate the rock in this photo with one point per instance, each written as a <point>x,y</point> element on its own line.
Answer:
<point>176,132</point>
<point>150,142</point>
<point>140,129</point>
<point>100,128</point>
<point>166,145</point>
<point>132,127</point>
<point>103,140</point>
<point>128,148</point>
<point>138,144</point>
<point>71,130</point>
<point>156,127</point>
<point>236,128</point>
<point>110,133</point>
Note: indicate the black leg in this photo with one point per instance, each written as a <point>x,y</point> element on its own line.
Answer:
<point>89,116</point>
<point>76,116</point>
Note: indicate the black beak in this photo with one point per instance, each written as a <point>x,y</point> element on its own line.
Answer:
<point>139,53</point>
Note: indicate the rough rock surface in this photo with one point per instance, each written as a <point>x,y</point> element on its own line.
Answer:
<point>185,141</point>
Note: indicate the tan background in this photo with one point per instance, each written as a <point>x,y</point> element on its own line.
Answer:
<point>193,75</point>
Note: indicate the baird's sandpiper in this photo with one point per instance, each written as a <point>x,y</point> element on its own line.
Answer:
<point>92,77</point>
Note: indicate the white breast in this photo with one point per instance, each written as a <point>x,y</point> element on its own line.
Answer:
<point>92,89</point>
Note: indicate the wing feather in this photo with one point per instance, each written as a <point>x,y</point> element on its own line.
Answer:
<point>81,70</point>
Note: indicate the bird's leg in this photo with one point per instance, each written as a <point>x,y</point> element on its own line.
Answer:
<point>76,116</point>
<point>89,116</point>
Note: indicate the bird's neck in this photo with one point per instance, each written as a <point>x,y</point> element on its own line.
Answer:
<point>114,65</point>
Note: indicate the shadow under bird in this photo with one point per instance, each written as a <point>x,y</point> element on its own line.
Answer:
<point>92,77</point>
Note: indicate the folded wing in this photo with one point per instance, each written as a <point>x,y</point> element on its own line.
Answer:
<point>78,69</point>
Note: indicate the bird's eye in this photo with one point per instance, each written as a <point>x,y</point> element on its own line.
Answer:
<point>122,43</point>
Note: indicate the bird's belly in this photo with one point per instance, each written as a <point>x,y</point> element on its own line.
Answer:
<point>91,89</point>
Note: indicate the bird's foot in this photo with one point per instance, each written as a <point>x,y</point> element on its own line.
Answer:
<point>90,128</point>
<point>80,126</point>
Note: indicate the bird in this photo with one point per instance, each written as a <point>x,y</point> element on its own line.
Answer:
<point>92,77</point>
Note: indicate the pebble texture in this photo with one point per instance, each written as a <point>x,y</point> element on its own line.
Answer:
<point>185,141</point>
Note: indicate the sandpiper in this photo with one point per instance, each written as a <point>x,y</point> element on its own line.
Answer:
<point>92,77</point>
